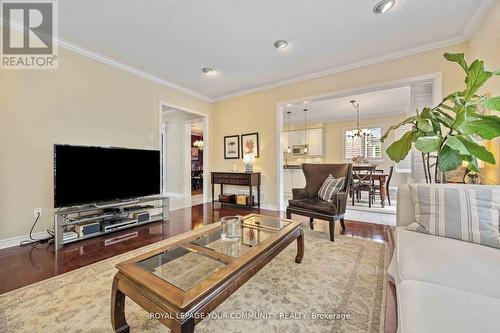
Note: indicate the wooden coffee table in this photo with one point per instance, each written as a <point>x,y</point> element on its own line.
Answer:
<point>182,282</point>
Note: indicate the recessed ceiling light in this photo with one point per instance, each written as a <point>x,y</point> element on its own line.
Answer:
<point>305,102</point>
<point>208,71</point>
<point>383,6</point>
<point>289,105</point>
<point>280,44</point>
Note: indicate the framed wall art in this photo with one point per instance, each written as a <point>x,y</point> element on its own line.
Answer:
<point>231,147</point>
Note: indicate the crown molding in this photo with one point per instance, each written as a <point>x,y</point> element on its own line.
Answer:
<point>476,19</point>
<point>129,69</point>
<point>392,56</point>
<point>117,64</point>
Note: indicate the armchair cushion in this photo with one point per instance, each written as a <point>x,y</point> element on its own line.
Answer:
<point>330,187</point>
<point>300,193</point>
<point>316,204</point>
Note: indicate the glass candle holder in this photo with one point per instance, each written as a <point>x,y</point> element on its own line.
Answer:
<point>230,228</point>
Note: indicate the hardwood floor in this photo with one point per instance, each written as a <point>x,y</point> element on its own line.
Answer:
<point>22,266</point>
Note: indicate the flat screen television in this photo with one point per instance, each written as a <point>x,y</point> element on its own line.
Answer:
<point>84,175</point>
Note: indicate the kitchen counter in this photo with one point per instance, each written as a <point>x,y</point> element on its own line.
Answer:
<point>297,166</point>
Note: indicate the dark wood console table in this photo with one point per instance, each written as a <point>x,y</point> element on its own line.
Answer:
<point>239,179</point>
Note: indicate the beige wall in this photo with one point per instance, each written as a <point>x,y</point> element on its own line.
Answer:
<point>83,102</point>
<point>257,112</point>
<point>485,45</point>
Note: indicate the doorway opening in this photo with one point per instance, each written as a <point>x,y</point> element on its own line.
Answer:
<point>197,157</point>
<point>324,129</point>
<point>184,151</point>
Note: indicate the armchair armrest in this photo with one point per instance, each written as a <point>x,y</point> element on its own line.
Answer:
<point>340,200</point>
<point>300,193</point>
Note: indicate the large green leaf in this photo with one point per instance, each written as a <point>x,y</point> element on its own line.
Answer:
<point>393,127</point>
<point>493,103</point>
<point>425,125</point>
<point>472,162</point>
<point>476,77</point>
<point>427,144</point>
<point>487,126</point>
<point>426,113</point>
<point>449,159</point>
<point>476,150</point>
<point>456,144</point>
<point>459,118</point>
<point>447,122</point>
<point>398,150</point>
<point>458,58</point>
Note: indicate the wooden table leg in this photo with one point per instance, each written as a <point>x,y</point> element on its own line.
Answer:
<point>258,195</point>
<point>382,191</point>
<point>250,201</point>
<point>185,327</point>
<point>213,190</point>
<point>300,247</point>
<point>118,320</point>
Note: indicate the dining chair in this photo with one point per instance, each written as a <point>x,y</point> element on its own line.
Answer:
<point>363,182</point>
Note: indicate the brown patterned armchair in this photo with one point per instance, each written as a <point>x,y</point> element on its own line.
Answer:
<point>305,201</point>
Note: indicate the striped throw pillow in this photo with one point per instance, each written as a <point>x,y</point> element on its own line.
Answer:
<point>465,212</point>
<point>330,187</point>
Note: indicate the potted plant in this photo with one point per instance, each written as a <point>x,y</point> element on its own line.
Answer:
<point>446,134</point>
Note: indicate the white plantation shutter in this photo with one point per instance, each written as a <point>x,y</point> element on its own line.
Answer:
<point>373,146</point>
<point>368,146</point>
<point>352,147</point>
<point>403,166</point>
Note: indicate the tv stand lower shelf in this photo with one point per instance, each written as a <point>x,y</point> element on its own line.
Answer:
<point>73,224</point>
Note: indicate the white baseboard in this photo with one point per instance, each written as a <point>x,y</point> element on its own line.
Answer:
<point>15,241</point>
<point>268,207</point>
<point>174,195</point>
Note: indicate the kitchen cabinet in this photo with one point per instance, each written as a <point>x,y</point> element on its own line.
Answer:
<point>284,141</point>
<point>315,140</point>
<point>293,178</point>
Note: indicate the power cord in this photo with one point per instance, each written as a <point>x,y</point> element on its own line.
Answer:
<point>34,241</point>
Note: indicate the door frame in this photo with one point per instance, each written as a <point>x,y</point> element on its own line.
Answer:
<point>437,95</point>
<point>206,145</point>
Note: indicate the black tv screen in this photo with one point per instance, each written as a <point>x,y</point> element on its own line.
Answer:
<point>85,175</point>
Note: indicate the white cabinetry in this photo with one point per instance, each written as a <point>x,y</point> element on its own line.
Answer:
<point>315,140</point>
<point>293,178</point>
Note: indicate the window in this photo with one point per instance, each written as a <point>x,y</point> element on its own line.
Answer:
<point>404,166</point>
<point>367,146</point>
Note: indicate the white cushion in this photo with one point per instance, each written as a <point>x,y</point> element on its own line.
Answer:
<point>447,262</point>
<point>466,212</point>
<point>405,207</point>
<point>426,308</point>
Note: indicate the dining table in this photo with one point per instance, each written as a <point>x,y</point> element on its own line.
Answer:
<point>382,179</point>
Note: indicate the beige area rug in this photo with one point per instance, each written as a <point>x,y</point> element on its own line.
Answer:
<point>345,277</point>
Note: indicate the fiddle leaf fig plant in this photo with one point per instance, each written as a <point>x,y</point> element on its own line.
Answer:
<point>446,134</point>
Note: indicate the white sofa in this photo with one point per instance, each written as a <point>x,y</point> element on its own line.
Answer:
<point>442,285</point>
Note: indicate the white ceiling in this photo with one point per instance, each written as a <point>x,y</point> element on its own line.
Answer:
<point>371,105</point>
<point>172,40</point>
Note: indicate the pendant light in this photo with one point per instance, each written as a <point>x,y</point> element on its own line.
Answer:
<point>358,132</point>
<point>289,149</point>
<point>305,132</point>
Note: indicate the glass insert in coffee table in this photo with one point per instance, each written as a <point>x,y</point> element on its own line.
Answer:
<point>182,267</point>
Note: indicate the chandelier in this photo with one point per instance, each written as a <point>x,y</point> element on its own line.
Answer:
<point>198,144</point>
<point>358,132</point>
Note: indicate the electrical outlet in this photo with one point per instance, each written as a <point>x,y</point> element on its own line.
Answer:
<point>37,211</point>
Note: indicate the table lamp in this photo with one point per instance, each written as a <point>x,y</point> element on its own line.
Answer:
<point>249,160</point>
